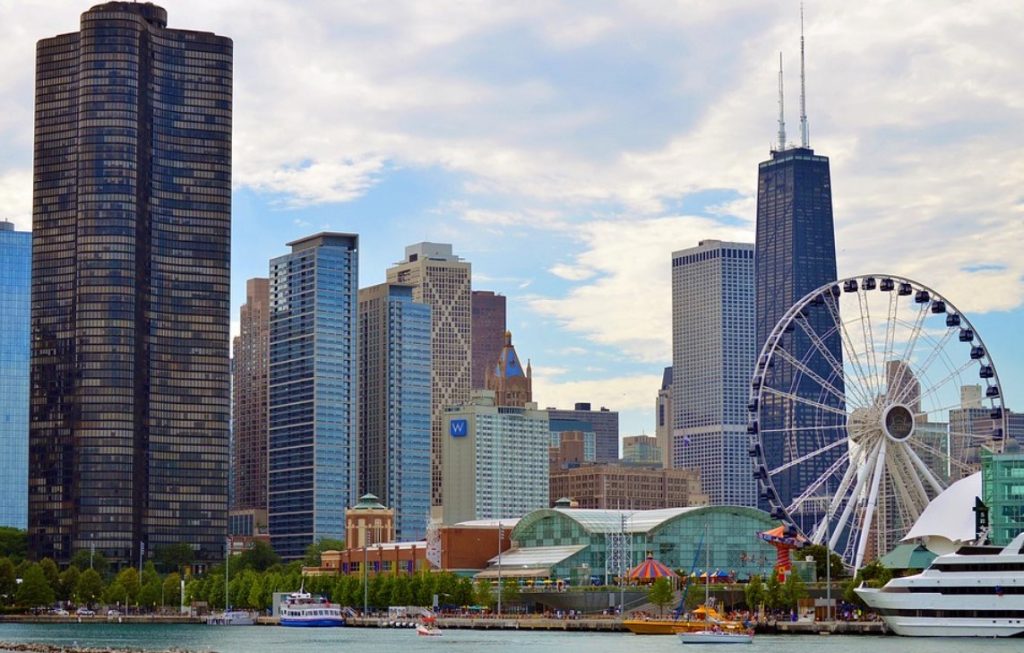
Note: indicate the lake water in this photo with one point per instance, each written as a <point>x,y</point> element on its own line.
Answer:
<point>240,639</point>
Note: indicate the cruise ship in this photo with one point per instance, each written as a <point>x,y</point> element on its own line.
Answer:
<point>304,610</point>
<point>976,592</point>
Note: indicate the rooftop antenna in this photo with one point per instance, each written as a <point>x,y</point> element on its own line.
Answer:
<point>804,136</point>
<point>782,118</point>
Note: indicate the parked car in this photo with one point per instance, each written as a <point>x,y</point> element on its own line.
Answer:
<point>85,612</point>
<point>61,612</point>
<point>113,613</point>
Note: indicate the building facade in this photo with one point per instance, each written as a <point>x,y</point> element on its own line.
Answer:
<point>1002,489</point>
<point>494,460</point>
<point>312,389</point>
<point>570,430</point>
<point>603,423</point>
<point>641,450</point>
<point>489,325</point>
<point>441,280</point>
<point>795,254</point>
<point>394,404</point>
<point>712,360</point>
<point>613,487</point>
<point>511,383</point>
<point>130,290</point>
<point>585,545</point>
<point>249,388</point>
<point>663,417</point>
<point>15,305</point>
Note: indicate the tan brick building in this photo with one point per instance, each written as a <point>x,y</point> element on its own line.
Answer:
<point>610,487</point>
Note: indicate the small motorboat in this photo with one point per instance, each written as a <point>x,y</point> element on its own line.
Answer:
<point>717,637</point>
<point>427,627</point>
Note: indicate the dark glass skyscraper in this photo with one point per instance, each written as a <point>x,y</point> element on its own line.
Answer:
<point>130,291</point>
<point>795,253</point>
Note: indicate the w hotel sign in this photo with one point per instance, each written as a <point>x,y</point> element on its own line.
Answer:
<point>458,428</point>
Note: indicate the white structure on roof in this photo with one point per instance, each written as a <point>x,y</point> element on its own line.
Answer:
<point>947,522</point>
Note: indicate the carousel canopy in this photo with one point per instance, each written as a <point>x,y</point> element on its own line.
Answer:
<point>650,569</point>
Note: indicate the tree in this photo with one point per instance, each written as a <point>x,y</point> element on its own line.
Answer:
<point>13,543</point>
<point>259,557</point>
<point>68,582</point>
<point>463,594</point>
<point>8,581</point>
<point>773,592</point>
<point>86,559</point>
<point>34,591</point>
<point>820,553</point>
<point>793,590</point>
<point>873,574</point>
<point>510,593</point>
<point>661,594</point>
<point>754,593</point>
<point>483,593</point>
<point>314,550</point>
<point>89,587</point>
<point>172,589</point>
<point>174,557</point>
<point>149,593</point>
<point>129,581</point>
<point>52,573</point>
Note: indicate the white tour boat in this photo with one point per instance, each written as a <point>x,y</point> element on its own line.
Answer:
<point>231,618</point>
<point>976,592</point>
<point>301,609</point>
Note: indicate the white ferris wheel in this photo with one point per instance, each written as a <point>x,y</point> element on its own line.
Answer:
<point>870,397</point>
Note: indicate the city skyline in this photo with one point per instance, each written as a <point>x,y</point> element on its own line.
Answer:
<point>534,157</point>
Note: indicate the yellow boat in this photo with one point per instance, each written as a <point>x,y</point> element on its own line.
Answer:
<point>701,617</point>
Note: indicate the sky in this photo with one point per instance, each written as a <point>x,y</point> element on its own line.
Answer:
<point>566,149</point>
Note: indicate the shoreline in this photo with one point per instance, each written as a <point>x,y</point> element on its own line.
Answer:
<point>584,624</point>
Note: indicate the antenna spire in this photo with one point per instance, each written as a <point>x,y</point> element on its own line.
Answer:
<point>782,117</point>
<point>804,136</point>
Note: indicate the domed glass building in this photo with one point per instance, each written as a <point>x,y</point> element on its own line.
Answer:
<point>584,545</point>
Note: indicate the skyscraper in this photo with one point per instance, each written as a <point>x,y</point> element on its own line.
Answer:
<point>488,333</point>
<point>130,294</point>
<point>663,418</point>
<point>251,372</point>
<point>394,404</point>
<point>441,280</point>
<point>795,254</point>
<point>312,448</point>
<point>712,358</point>
<point>15,291</point>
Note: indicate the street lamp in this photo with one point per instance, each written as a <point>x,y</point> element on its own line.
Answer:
<point>501,536</point>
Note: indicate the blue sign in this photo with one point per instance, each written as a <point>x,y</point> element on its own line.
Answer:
<point>458,428</point>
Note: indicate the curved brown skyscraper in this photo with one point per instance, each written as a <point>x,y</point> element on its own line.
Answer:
<point>130,297</point>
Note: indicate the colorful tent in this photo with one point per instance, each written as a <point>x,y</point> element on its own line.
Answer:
<point>649,570</point>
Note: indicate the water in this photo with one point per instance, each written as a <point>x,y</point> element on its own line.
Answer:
<point>253,639</point>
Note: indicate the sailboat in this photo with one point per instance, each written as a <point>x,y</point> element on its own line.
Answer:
<point>713,631</point>
<point>229,617</point>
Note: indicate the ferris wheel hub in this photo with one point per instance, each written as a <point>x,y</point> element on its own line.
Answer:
<point>898,423</point>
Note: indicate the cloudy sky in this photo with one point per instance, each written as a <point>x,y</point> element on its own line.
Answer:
<point>567,148</point>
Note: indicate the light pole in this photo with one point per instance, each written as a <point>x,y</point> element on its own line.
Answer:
<point>366,585</point>
<point>501,536</point>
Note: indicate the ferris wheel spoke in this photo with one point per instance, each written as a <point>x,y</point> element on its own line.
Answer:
<point>849,347</point>
<point>946,457</point>
<point>868,331</point>
<point>939,348</point>
<point>796,429</point>
<point>863,474</point>
<point>818,482</point>
<point>809,456</point>
<point>901,470</point>
<point>869,512</point>
<point>955,374</point>
<point>805,401</point>
<point>789,358</point>
<point>919,489</point>
<point>915,334</point>
<point>937,485</point>
<point>837,367</point>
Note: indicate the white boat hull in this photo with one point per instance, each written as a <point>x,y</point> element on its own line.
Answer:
<point>710,637</point>
<point>932,613</point>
